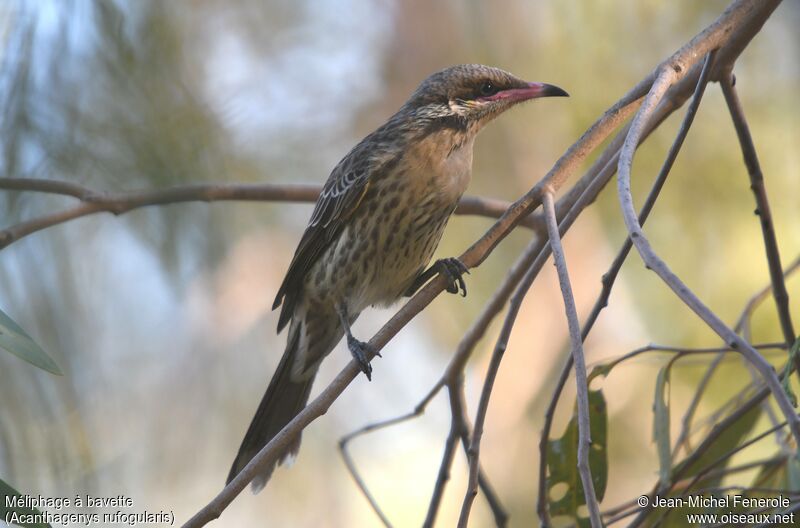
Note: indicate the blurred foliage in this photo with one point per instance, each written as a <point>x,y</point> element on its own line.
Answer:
<point>160,319</point>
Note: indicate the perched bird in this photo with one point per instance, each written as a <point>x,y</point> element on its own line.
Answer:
<point>375,227</point>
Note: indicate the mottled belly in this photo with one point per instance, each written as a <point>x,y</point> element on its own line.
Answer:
<point>381,251</point>
<point>407,249</point>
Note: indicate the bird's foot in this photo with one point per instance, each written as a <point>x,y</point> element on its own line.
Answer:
<point>453,271</point>
<point>360,351</point>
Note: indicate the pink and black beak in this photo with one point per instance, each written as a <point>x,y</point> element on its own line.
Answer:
<point>532,90</point>
<point>536,90</point>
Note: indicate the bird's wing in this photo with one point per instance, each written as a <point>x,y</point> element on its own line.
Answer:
<point>340,197</point>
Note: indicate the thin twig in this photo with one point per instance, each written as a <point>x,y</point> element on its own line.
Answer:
<point>789,511</point>
<point>118,203</point>
<point>450,445</point>
<point>591,184</point>
<point>702,473</point>
<point>351,466</point>
<point>688,351</point>
<point>344,450</point>
<point>459,429</point>
<point>734,29</point>
<point>584,431</point>
<point>626,509</point>
<point>499,513</point>
<point>763,211</point>
<point>459,416</point>
<point>667,75</point>
<point>741,327</point>
<point>610,276</point>
<point>483,404</point>
<point>474,256</point>
<point>544,252</point>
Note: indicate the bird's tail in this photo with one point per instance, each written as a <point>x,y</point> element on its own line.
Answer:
<point>283,400</point>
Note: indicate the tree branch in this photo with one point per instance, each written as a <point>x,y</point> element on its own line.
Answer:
<point>762,210</point>
<point>118,203</point>
<point>667,75</point>
<point>527,266</point>
<point>474,256</point>
<point>610,276</point>
<point>584,431</point>
<point>742,327</point>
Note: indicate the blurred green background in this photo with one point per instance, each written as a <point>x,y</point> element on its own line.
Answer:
<point>160,319</point>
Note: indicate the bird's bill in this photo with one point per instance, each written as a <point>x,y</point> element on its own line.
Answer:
<point>532,91</point>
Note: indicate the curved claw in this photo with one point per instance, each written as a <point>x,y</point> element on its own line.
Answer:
<point>453,271</point>
<point>359,350</point>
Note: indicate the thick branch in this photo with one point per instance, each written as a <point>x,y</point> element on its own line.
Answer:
<point>664,110</point>
<point>747,14</point>
<point>475,255</point>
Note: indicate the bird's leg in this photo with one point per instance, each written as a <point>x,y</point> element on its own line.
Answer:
<point>359,349</point>
<point>451,268</point>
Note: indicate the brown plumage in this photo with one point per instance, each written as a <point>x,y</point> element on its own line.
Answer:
<point>375,227</point>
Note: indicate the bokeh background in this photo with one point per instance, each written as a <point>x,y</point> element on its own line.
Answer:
<point>160,319</point>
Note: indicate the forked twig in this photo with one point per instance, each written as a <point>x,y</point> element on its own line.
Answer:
<point>525,268</point>
<point>610,276</point>
<point>474,256</point>
<point>667,75</point>
<point>588,195</point>
<point>742,327</point>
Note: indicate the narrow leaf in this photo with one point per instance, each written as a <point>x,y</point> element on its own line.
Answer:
<point>661,425</point>
<point>792,474</point>
<point>14,513</point>
<point>721,445</point>
<point>15,340</point>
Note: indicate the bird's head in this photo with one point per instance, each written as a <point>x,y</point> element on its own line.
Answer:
<point>470,95</point>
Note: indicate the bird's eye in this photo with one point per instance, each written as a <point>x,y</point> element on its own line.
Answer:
<point>488,88</point>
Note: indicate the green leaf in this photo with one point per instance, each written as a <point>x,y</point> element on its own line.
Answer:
<point>15,340</point>
<point>661,425</point>
<point>781,474</point>
<point>773,474</point>
<point>792,474</point>
<point>721,445</point>
<point>8,513</point>
<point>562,462</point>
<point>602,369</point>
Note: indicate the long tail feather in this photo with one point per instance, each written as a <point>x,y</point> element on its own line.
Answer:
<point>283,400</point>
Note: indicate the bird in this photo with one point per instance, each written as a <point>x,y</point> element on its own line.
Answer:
<point>373,231</point>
